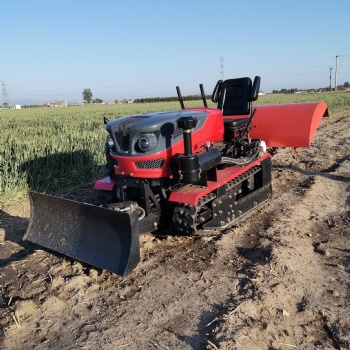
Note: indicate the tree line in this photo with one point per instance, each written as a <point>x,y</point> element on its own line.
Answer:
<point>292,91</point>
<point>169,99</point>
<point>285,91</point>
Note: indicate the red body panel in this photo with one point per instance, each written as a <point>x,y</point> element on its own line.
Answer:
<point>190,194</point>
<point>105,184</point>
<point>285,125</point>
<point>211,131</point>
<point>288,125</point>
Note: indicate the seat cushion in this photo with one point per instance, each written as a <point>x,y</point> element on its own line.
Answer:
<point>235,124</point>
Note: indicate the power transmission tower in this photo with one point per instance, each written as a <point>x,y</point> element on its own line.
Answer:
<point>5,99</point>
<point>222,74</point>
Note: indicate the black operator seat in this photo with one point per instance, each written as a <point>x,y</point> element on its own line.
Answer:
<point>235,97</point>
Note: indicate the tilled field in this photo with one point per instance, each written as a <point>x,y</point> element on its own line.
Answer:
<point>278,280</point>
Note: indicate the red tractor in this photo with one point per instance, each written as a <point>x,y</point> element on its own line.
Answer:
<point>193,171</point>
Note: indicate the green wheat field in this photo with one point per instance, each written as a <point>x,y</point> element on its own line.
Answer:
<point>49,149</point>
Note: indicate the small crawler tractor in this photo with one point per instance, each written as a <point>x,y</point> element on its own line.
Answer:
<point>193,171</point>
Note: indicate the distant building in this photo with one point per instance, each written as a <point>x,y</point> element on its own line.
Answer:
<point>61,103</point>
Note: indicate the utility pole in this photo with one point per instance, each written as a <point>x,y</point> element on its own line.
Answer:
<point>222,75</point>
<point>330,79</point>
<point>336,73</point>
<point>336,69</point>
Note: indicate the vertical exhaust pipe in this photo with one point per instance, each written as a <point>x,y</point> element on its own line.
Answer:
<point>180,97</point>
<point>203,95</point>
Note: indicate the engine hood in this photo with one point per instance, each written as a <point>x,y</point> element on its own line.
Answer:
<point>161,127</point>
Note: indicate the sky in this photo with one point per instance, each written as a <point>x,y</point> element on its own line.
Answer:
<point>54,49</point>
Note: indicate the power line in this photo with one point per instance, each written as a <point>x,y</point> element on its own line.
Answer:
<point>143,83</point>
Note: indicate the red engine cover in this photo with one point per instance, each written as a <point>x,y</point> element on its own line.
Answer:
<point>211,131</point>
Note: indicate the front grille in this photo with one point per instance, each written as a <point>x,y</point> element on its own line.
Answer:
<point>121,131</point>
<point>150,164</point>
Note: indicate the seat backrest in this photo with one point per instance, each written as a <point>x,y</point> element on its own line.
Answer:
<point>234,96</point>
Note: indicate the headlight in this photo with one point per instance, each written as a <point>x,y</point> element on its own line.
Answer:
<point>110,142</point>
<point>147,142</point>
<point>144,143</point>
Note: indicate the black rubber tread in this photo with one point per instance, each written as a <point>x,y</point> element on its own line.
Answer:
<point>185,215</point>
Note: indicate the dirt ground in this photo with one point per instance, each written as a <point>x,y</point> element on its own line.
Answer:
<point>280,279</point>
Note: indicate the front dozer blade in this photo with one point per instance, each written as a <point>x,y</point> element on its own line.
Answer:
<point>98,236</point>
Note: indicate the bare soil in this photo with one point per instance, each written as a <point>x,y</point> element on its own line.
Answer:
<point>280,279</point>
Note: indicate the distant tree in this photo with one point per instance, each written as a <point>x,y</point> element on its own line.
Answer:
<point>285,91</point>
<point>346,84</point>
<point>87,95</point>
<point>97,100</point>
